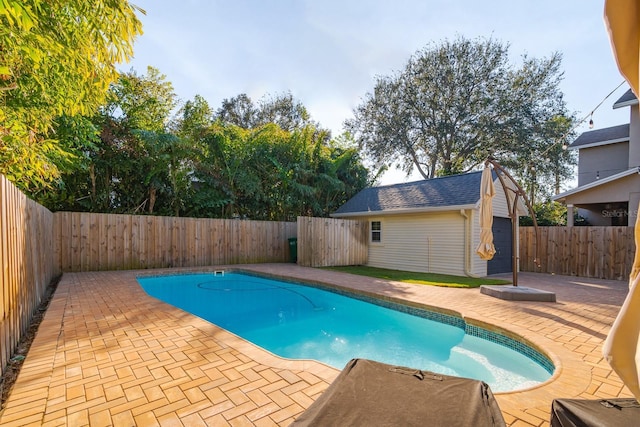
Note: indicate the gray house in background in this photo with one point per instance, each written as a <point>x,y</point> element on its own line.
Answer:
<point>432,225</point>
<point>608,189</point>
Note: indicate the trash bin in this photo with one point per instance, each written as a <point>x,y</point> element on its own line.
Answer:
<point>293,249</point>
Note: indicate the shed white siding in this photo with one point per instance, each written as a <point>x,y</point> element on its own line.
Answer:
<point>500,207</point>
<point>500,202</point>
<point>432,243</point>
<point>476,266</point>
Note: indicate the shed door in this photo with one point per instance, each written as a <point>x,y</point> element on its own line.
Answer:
<point>502,233</point>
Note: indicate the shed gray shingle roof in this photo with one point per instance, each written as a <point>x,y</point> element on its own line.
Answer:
<point>454,190</point>
<point>614,133</point>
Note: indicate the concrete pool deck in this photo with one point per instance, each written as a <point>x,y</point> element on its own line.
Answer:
<point>107,353</point>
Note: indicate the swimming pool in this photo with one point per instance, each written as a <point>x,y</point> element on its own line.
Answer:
<point>297,321</point>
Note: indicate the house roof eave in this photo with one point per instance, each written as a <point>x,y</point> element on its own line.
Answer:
<point>599,143</point>
<point>627,99</point>
<point>625,104</point>
<point>562,196</point>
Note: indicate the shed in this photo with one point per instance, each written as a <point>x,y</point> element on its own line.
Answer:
<point>432,225</point>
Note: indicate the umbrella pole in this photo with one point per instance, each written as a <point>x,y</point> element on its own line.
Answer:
<point>514,245</point>
<point>513,213</point>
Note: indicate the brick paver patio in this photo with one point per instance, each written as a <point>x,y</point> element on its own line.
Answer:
<point>107,354</point>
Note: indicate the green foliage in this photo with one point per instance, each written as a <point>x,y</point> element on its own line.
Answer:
<point>165,171</point>
<point>271,174</point>
<point>140,166</point>
<point>143,102</point>
<point>56,58</point>
<point>77,137</point>
<point>136,158</point>
<point>192,119</point>
<point>547,213</point>
<point>126,160</point>
<point>282,110</point>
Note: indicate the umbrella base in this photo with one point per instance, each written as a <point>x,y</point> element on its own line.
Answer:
<point>518,293</point>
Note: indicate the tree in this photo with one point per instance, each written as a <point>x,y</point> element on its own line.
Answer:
<point>547,213</point>
<point>342,174</point>
<point>238,111</point>
<point>143,162</point>
<point>543,162</point>
<point>130,166</point>
<point>456,103</point>
<point>282,110</point>
<point>193,118</point>
<point>165,166</point>
<point>56,58</point>
<point>134,157</point>
<point>134,163</point>
<point>142,102</point>
<point>268,173</point>
<point>223,172</point>
<point>79,137</point>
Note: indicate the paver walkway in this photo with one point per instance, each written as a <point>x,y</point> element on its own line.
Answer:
<point>108,354</point>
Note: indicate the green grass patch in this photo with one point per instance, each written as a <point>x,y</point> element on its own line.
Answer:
<point>429,279</point>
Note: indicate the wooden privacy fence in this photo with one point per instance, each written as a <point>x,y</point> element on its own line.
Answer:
<point>598,252</point>
<point>36,245</point>
<point>89,241</point>
<point>26,253</point>
<point>324,242</point>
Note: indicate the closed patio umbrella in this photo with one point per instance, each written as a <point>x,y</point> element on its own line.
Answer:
<point>622,346</point>
<point>485,249</point>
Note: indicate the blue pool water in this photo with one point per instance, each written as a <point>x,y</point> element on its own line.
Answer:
<point>306,322</point>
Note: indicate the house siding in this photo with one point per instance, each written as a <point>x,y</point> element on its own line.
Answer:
<point>602,161</point>
<point>500,207</point>
<point>634,137</point>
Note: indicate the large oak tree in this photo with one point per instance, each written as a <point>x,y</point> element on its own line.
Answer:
<point>460,101</point>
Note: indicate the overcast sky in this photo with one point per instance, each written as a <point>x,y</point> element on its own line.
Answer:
<point>326,53</point>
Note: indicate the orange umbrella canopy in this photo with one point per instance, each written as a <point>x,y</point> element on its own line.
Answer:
<point>622,346</point>
<point>622,19</point>
<point>485,249</point>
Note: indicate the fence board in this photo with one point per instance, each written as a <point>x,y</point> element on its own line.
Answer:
<point>599,252</point>
<point>326,242</point>
<point>127,241</point>
<point>26,253</point>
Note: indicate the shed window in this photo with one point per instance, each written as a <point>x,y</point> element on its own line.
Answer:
<point>376,231</point>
